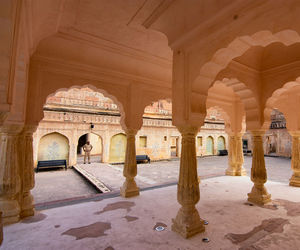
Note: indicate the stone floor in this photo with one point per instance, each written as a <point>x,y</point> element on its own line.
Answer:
<point>120,224</point>
<point>59,185</point>
<point>161,172</point>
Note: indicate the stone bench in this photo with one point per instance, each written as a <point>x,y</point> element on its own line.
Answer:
<point>51,163</point>
<point>142,158</point>
<point>223,152</point>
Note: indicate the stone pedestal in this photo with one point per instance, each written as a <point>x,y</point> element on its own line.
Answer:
<point>27,171</point>
<point>235,156</point>
<point>188,222</point>
<point>259,194</point>
<point>9,173</point>
<point>129,187</point>
<point>295,179</point>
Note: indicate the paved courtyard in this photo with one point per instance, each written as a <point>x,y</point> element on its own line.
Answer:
<point>60,184</point>
<point>120,224</point>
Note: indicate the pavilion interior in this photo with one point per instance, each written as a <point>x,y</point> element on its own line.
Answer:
<point>241,57</point>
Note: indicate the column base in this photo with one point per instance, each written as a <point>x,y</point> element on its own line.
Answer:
<point>10,211</point>
<point>27,207</point>
<point>129,189</point>
<point>230,171</point>
<point>233,172</point>
<point>241,172</point>
<point>259,195</point>
<point>295,181</point>
<point>187,224</point>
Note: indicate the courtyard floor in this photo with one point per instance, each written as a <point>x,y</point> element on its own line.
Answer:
<point>60,184</point>
<point>120,224</point>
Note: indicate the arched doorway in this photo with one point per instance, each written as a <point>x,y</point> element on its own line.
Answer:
<point>53,146</point>
<point>209,145</point>
<point>117,148</point>
<point>96,141</point>
<point>221,143</point>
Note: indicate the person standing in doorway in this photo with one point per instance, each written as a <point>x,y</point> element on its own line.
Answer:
<point>87,148</point>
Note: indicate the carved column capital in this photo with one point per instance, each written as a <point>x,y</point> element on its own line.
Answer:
<point>188,131</point>
<point>256,134</point>
<point>11,129</point>
<point>29,129</point>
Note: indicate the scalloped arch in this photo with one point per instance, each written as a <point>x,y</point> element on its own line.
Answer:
<point>269,106</point>
<point>245,94</point>
<point>92,87</point>
<point>238,47</point>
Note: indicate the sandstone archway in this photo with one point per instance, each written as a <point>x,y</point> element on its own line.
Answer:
<point>238,47</point>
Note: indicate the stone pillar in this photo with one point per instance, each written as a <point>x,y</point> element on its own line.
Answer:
<point>188,222</point>
<point>235,156</point>
<point>129,187</point>
<point>259,194</point>
<point>295,179</point>
<point>26,171</point>
<point>105,148</point>
<point>72,153</point>
<point>9,173</point>
<point>1,229</point>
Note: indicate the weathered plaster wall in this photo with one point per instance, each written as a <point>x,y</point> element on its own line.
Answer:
<point>53,146</point>
<point>117,148</point>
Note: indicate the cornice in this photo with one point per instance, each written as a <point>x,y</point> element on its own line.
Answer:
<point>240,67</point>
<point>66,67</point>
<point>281,69</point>
<point>99,42</point>
<point>214,24</point>
<point>161,8</point>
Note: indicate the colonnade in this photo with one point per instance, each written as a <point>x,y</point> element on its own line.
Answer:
<point>17,174</point>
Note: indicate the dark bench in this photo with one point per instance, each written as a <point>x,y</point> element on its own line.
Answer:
<point>142,158</point>
<point>223,152</point>
<point>247,151</point>
<point>51,163</point>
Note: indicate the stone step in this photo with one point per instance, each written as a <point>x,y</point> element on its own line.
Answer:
<point>92,179</point>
